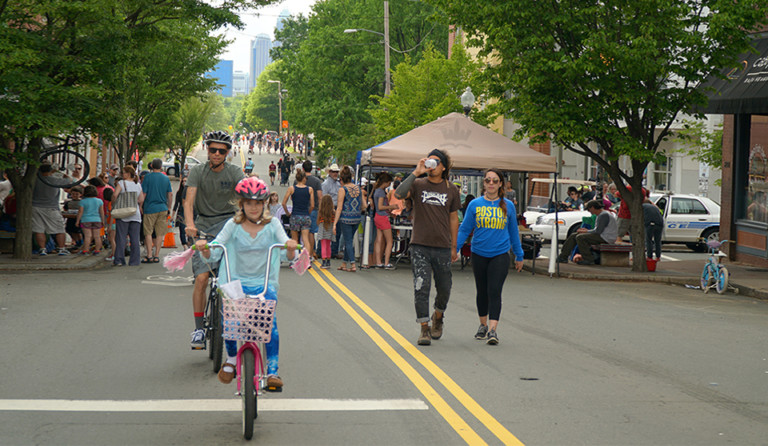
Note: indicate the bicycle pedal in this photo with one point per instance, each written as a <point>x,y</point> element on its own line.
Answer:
<point>198,348</point>
<point>273,389</point>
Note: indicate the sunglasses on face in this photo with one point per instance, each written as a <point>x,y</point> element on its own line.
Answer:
<point>491,180</point>
<point>211,150</point>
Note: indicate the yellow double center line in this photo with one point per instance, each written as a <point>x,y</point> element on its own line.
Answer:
<point>453,418</point>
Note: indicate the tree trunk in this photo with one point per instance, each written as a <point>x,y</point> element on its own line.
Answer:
<point>24,186</point>
<point>637,231</point>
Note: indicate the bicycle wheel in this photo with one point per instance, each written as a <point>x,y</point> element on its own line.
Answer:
<point>248,393</point>
<point>217,342</point>
<point>209,320</point>
<point>65,162</point>
<point>722,280</point>
<point>707,277</point>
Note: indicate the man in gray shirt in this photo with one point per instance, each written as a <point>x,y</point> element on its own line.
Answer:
<point>46,214</point>
<point>331,187</point>
<point>606,230</point>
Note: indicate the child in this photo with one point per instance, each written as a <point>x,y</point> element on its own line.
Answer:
<point>71,207</point>
<point>325,217</point>
<point>90,218</point>
<point>247,237</point>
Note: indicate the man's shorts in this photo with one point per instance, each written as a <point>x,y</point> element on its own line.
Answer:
<point>198,265</point>
<point>47,221</point>
<point>272,174</point>
<point>300,222</point>
<point>313,225</point>
<point>382,222</point>
<point>156,222</point>
<point>91,225</point>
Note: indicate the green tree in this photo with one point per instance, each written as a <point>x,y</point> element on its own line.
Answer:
<point>701,144</point>
<point>612,74</point>
<point>331,76</point>
<point>64,69</point>
<point>425,91</point>
<point>188,122</point>
<point>261,108</point>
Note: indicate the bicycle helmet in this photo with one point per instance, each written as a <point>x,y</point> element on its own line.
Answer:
<point>219,137</point>
<point>252,188</point>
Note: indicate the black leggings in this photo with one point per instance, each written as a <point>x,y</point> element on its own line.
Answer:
<point>490,273</point>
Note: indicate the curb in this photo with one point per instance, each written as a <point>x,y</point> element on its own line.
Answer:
<point>650,277</point>
<point>31,266</point>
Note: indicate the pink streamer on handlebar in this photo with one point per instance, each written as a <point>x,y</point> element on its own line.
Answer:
<point>301,265</point>
<point>176,261</point>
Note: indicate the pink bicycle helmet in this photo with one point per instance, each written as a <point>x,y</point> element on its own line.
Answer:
<point>252,188</point>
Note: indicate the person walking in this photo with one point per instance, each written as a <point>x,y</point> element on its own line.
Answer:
<point>303,199</point>
<point>654,226</point>
<point>493,220</point>
<point>158,200</point>
<point>128,227</point>
<point>331,187</point>
<point>316,184</point>
<point>348,214</point>
<point>436,203</point>
<point>382,209</point>
<point>178,208</point>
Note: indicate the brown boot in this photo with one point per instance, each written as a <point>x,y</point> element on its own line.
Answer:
<point>424,337</point>
<point>437,326</point>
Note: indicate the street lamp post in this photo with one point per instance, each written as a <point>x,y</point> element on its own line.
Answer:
<point>385,34</point>
<point>279,105</point>
<point>467,101</point>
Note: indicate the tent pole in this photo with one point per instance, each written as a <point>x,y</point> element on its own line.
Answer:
<point>556,243</point>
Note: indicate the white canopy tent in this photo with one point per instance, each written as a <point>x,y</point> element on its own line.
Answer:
<point>470,145</point>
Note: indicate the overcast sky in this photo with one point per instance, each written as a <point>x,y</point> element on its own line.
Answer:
<point>260,21</point>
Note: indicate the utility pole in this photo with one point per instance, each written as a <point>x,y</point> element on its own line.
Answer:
<point>387,82</point>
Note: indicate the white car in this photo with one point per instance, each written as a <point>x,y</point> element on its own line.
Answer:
<point>688,219</point>
<point>170,168</point>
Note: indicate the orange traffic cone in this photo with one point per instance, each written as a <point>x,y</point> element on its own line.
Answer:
<point>170,239</point>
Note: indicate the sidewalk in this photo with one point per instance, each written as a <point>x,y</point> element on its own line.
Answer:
<point>751,281</point>
<point>54,262</point>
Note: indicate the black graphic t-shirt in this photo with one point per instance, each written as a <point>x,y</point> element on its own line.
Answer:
<point>432,207</point>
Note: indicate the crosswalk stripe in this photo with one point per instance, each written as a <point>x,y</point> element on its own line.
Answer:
<point>211,405</point>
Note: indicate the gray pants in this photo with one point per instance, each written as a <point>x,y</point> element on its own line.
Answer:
<point>427,262</point>
<point>584,241</point>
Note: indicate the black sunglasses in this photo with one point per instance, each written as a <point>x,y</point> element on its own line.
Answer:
<point>221,151</point>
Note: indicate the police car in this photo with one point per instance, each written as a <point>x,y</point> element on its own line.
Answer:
<point>688,219</point>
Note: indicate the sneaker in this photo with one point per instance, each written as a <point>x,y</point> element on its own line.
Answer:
<point>424,338</point>
<point>437,326</point>
<point>224,376</point>
<point>43,252</point>
<point>492,338</point>
<point>109,259</point>
<point>95,252</point>
<point>64,252</point>
<point>198,339</point>
<point>83,252</point>
<point>482,332</point>
<point>274,381</point>
<point>389,266</point>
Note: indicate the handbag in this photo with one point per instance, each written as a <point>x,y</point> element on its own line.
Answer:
<point>126,204</point>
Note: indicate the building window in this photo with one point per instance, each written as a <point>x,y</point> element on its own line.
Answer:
<point>757,190</point>
<point>662,174</point>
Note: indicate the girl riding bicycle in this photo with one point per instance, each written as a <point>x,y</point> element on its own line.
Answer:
<point>247,237</point>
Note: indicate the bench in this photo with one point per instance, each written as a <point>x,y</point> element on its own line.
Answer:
<point>7,241</point>
<point>613,255</point>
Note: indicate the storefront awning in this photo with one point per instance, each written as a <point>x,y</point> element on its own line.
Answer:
<point>745,89</point>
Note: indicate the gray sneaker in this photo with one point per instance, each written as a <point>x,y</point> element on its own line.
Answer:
<point>492,338</point>
<point>198,339</point>
<point>43,252</point>
<point>482,332</point>
<point>64,252</point>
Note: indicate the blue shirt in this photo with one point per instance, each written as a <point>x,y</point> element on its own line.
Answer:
<point>248,255</point>
<point>90,208</point>
<point>156,187</point>
<point>494,233</point>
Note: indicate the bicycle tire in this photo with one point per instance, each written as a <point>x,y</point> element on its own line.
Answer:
<point>63,156</point>
<point>217,342</point>
<point>721,284</point>
<point>249,393</point>
<point>207,315</point>
<point>706,277</point>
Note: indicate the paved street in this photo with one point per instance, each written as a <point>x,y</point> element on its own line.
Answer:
<point>102,357</point>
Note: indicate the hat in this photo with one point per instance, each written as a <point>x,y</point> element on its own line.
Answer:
<point>334,167</point>
<point>113,167</point>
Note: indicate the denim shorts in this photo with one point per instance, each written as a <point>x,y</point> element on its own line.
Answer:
<point>299,223</point>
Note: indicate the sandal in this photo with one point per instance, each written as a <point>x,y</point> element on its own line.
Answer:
<point>146,260</point>
<point>342,268</point>
<point>352,270</point>
<point>155,260</point>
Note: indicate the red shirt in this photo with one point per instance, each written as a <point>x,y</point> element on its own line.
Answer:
<point>623,207</point>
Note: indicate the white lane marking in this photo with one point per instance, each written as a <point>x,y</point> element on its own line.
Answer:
<point>211,405</point>
<point>671,259</point>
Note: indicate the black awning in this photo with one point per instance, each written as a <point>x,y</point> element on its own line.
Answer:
<point>746,88</point>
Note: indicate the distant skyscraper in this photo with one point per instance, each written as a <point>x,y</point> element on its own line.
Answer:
<point>260,58</point>
<point>223,73</point>
<point>285,15</point>
<point>240,83</point>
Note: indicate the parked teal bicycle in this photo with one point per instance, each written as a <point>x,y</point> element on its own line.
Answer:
<point>715,275</point>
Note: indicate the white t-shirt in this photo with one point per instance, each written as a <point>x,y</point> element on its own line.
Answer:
<point>130,186</point>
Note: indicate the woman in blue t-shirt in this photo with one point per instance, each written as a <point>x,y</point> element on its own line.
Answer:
<point>494,221</point>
